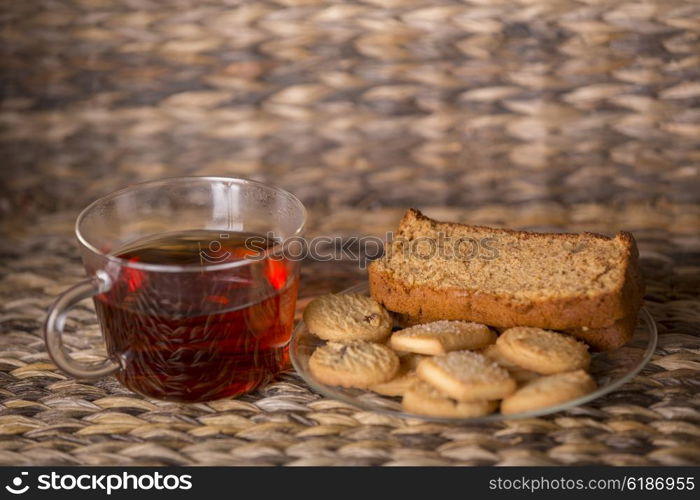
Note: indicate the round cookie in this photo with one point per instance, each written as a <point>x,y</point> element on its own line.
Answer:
<point>423,399</point>
<point>466,376</point>
<point>347,317</point>
<point>548,391</point>
<point>543,351</point>
<point>356,364</point>
<point>440,337</point>
<point>520,375</point>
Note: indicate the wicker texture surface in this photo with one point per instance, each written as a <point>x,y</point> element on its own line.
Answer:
<point>487,100</point>
<point>582,115</point>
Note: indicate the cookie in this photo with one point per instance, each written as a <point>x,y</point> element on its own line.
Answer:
<point>543,351</point>
<point>423,399</point>
<point>347,317</point>
<point>397,386</point>
<point>548,391</point>
<point>355,364</point>
<point>466,376</point>
<point>440,337</point>
<point>520,375</point>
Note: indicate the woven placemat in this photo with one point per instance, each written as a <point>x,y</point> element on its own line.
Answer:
<point>344,102</point>
<point>49,418</point>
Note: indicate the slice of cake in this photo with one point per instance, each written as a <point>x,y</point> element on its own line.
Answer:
<point>587,284</point>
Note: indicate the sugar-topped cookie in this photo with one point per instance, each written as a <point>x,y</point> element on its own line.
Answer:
<point>439,337</point>
<point>466,376</point>
<point>548,391</point>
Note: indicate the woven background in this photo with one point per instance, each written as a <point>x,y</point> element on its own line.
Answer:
<point>582,115</point>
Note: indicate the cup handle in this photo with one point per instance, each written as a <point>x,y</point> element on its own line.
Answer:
<point>53,329</point>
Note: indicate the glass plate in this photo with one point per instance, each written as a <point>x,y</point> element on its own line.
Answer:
<point>609,369</point>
